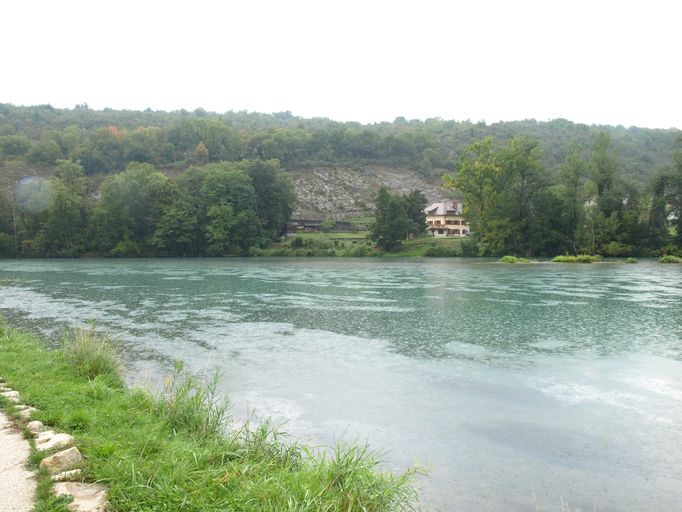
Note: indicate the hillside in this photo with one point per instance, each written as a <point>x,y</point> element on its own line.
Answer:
<point>347,191</point>
<point>336,166</point>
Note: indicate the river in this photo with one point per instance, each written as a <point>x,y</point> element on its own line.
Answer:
<point>515,386</point>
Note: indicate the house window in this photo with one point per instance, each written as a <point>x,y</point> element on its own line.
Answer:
<point>456,231</point>
<point>440,231</point>
<point>456,222</point>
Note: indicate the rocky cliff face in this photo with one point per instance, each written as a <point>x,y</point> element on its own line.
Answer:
<point>347,191</point>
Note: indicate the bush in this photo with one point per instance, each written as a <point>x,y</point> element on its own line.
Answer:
<point>670,259</point>
<point>440,251</point>
<point>580,258</point>
<point>617,249</point>
<point>296,243</point>
<point>125,248</point>
<point>513,259</point>
<point>92,355</point>
<point>193,406</point>
<point>359,251</point>
<point>631,260</point>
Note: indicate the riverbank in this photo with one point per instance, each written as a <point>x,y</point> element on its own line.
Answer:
<point>320,245</point>
<point>180,450</point>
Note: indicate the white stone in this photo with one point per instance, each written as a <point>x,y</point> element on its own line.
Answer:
<point>12,396</point>
<point>62,461</point>
<point>66,476</point>
<point>35,427</point>
<point>43,437</point>
<point>86,497</point>
<point>55,441</point>
<point>26,413</point>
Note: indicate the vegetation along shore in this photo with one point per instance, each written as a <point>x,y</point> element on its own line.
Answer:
<point>80,182</point>
<point>178,449</point>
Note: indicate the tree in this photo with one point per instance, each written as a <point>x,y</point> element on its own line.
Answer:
<point>176,233</point>
<point>603,168</point>
<point>201,152</point>
<point>500,188</point>
<point>415,202</point>
<point>391,222</point>
<point>572,175</point>
<point>676,193</point>
<point>327,225</point>
<point>658,216</point>
<point>275,193</point>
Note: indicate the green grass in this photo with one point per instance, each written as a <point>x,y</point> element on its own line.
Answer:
<point>670,259</point>
<point>333,235</point>
<point>428,246</point>
<point>580,258</point>
<point>631,260</point>
<point>179,450</point>
<point>513,259</point>
<point>92,355</point>
<point>317,245</point>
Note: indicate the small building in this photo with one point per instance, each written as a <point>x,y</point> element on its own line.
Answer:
<point>295,226</point>
<point>445,219</point>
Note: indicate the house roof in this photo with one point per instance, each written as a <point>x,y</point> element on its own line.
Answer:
<point>444,208</point>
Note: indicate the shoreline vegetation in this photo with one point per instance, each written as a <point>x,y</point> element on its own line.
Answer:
<point>179,449</point>
<point>79,182</point>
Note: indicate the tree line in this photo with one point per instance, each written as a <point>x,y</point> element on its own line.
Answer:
<point>107,140</point>
<point>215,209</point>
<point>514,206</point>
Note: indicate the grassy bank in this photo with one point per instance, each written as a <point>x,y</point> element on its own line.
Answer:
<point>320,244</point>
<point>179,451</point>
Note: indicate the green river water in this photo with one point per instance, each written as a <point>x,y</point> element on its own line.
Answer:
<point>515,386</point>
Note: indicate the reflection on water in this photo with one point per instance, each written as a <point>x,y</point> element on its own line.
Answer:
<point>504,381</point>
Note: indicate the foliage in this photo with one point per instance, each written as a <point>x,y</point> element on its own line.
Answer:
<point>580,258</point>
<point>530,188</point>
<point>513,259</point>
<point>171,452</point>
<point>514,206</point>
<point>670,259</point>
<point>442,251</point>
<point>212,209</point>
<point>631,260</point>
<point>396,218</point>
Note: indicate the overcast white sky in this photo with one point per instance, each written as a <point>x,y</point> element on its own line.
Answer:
<point>598,61</point>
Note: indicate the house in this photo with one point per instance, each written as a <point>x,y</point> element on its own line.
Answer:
<point>295,226</point>
<point>446,219</point>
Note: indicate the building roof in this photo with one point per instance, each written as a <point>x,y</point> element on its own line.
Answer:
<point>444,208</point>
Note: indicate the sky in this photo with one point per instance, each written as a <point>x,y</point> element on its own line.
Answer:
<point>594,62</point>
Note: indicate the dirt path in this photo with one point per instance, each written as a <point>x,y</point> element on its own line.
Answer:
<point>17,484</point>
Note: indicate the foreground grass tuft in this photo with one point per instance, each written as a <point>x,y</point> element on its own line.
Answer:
<point>92,355</point>
<point>179,450</point>
<point>580,258</point>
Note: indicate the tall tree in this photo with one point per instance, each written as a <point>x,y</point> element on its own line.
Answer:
<point>391,222</point>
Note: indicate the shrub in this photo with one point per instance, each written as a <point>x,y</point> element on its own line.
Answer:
<point>359,251</point>
<point>670,259</point>
<point>580,258</point>
<point>631,260</point>
<point>92,355</point>
<point>192,406</point>
<point>443,251</point>
<point>297,243</point>
<point>617,249</point>
<point>513,259</point>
